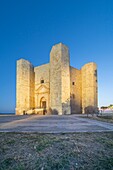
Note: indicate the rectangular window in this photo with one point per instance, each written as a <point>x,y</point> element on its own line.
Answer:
<point>95,73</point>
<point>73,96</point>
<point>42,81</point>
<point>73,83</point>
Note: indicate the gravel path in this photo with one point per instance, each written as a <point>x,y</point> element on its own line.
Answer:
<point>52,124</point>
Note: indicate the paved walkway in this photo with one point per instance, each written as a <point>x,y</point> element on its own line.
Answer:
<point>52,124</point>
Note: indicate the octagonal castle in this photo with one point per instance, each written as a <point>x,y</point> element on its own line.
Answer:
<point>56,87</point>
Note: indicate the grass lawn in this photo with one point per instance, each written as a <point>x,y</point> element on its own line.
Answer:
<point>77,151</point>
<point>104,117</point>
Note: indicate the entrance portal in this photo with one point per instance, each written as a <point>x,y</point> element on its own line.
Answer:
<point>43,105</point>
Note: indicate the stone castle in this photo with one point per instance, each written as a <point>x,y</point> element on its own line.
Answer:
<point>55,87</point>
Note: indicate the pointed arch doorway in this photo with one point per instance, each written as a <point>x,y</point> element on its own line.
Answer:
<point>43,102</point>
<point>43,105</point>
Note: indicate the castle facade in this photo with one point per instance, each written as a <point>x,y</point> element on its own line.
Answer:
<point>55,87</point>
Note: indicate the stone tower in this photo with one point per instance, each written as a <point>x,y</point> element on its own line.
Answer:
<point>55,87</point>
<point>60,79</point>
<point>24,86</point>
<point>89,85</point>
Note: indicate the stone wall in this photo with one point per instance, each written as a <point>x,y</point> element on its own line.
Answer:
<point>64,88</point>
<point>24,86</point>
<point>42,89</point>
<point>89,85</point>
<point>60,79</point>
<point>76,90</point>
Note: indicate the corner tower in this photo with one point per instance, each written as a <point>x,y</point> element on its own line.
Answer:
<point>89,85</point>
<point>24,86</point>
<point>60,79</point>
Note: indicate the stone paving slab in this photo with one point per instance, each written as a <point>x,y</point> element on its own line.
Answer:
<point>52,124</point>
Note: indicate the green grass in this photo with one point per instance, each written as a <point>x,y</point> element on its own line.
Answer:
<point>105,118</point>
<point>77,151</point>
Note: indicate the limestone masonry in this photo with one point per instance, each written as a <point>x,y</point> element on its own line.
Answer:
<point>56,87</point>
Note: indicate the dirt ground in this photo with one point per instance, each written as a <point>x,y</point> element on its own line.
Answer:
<point>75,151</point>
<point>52,124</point>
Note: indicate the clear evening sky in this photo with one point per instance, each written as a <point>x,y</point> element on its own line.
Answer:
<point>29,28</point>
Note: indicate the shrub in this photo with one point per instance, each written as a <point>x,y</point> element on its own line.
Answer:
<point>91,110</point>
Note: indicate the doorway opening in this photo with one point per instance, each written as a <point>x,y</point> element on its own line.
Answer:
<point>43,105</point>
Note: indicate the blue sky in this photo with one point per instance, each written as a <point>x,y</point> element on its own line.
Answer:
<point>29,28</point>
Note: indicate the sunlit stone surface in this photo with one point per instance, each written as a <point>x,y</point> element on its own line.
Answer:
<point>56,87</point>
